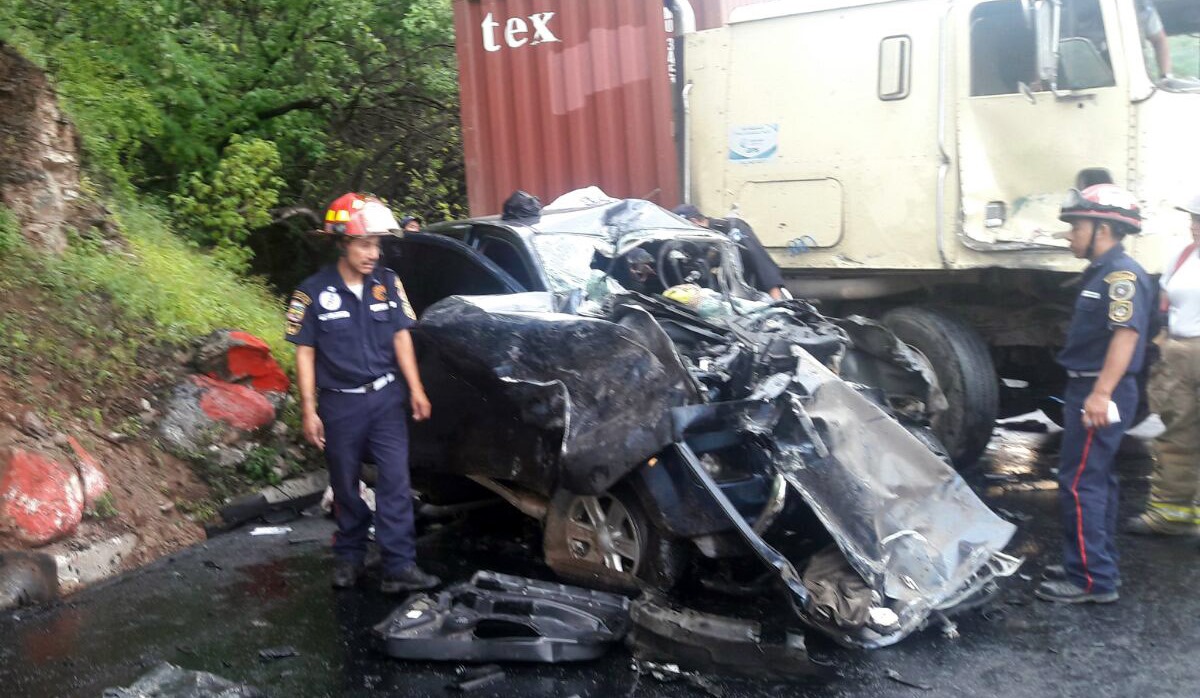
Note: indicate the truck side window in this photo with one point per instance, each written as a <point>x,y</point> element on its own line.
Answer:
<point>895,67</point>
<point>1003,48</point>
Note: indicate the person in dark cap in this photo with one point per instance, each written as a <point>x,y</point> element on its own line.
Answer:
<point>410,224</point>
<point>761,271</point>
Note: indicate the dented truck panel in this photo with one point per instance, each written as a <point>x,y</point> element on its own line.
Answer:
<point>739,419</point>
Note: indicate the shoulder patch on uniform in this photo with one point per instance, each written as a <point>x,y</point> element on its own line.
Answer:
<point>1120,311</point>
<point>1120,276</point>
<point>293,328</point>
<point>297,306</point>
<point>408,309</point>
<point>1122,290</point>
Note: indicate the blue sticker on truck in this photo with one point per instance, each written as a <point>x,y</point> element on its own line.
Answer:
<point>753,142</point>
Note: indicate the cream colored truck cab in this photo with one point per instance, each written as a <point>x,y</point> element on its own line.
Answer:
<point>906,159</point>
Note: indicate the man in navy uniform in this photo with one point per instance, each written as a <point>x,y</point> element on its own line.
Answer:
<point>1105,349</point>
<point>350,324</point>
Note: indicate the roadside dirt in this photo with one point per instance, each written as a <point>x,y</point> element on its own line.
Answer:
<point>69,365</point>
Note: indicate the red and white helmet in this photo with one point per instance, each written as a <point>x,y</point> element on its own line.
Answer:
<point>1103,202</point>
<point>355,215</point>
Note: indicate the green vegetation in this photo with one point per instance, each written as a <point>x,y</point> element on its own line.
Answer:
<point>181,293</point>
<point>104,507</point>
<point>81,329</point>
<point>1185,56</point>
<point>259,466</point>
<point>222,110</point>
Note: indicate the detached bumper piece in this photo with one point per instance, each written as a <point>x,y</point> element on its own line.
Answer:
<point>501,618</point>
<point>709,643</point>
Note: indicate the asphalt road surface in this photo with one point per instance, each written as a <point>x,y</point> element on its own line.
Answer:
<point>213,607</point>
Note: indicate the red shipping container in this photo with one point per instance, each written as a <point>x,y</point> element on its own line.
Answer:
<point>562,94</point>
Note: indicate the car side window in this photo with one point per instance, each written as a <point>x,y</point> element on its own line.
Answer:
<point>506,256</point>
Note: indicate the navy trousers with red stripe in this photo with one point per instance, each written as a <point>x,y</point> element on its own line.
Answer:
<point>1087,486</point>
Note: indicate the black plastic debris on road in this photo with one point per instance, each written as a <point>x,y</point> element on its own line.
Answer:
<point>497,617</point>
<point>708,643</point>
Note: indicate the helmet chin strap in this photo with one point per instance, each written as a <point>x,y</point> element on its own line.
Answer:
<point>1091,248</point>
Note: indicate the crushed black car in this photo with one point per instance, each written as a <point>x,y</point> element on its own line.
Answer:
<point>605,369</point>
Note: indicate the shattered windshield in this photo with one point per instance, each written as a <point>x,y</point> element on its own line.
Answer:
<point>566,258</point>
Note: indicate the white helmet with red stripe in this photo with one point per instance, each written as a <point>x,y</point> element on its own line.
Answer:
<point>1103,202</point>
<point>356,215</point>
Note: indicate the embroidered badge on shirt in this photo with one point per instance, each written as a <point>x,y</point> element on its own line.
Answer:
<point>1120,311</point>
<point>330,300</point>
<point>408,309</point>
<point>379,291</point>
<point>297,306</point>
<point>293,328</point>
<point>1120,276</point>
<point>1122,290</point>
<point>295,312</point>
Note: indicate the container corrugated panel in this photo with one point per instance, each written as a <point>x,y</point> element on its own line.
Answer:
<point>562,94</point>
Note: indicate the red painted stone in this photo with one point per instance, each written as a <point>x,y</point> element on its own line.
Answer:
<point>235,405</point>
<point>95,482</point>
<point>42,499</point>
<point>250,357</point>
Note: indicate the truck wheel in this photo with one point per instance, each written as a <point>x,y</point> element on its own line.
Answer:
<point>965,373</point>
<point>606,541</point>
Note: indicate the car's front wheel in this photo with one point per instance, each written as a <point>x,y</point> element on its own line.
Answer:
<point>607,541</point>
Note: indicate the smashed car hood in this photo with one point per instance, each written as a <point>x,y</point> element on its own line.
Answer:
<point>592,382</point>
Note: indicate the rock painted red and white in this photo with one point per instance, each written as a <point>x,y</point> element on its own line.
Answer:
<point>236,405</point>
<point>240,357</point>
<point>40,498</point>
<point>95,482</point>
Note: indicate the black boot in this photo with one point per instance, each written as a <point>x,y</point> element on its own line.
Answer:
<point>411,579</point>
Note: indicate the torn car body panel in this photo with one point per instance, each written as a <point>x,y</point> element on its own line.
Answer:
<point>498,617</point>
<point>657,355</point>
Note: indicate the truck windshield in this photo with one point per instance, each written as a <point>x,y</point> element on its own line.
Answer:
<point>1170,33</point>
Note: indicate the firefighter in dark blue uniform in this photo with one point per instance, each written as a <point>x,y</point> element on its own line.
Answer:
<point>1105,349</point>
<point>356,368</point>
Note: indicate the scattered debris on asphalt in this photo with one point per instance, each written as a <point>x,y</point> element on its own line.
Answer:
<point>895,676</point>
<point>667,672</point>
<point>708,643</point>
<point>475,678</point>
<point>271,530</point>
<point>169,681</point>
<point>270,654</point>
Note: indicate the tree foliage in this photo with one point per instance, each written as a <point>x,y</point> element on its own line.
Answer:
<point>351,94</point>
<point>222,209</point>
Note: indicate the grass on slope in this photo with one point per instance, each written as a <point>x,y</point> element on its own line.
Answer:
<point>90,333</point>
<point>181,291</point>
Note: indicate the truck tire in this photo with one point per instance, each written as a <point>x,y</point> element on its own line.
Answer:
<point>963,365</point>
<point>608,542</point>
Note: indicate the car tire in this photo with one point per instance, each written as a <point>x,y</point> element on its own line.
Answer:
<point>965,372</point>
<point>631,552</point>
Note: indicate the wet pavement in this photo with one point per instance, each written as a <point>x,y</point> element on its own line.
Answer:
<point>214,607</point>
